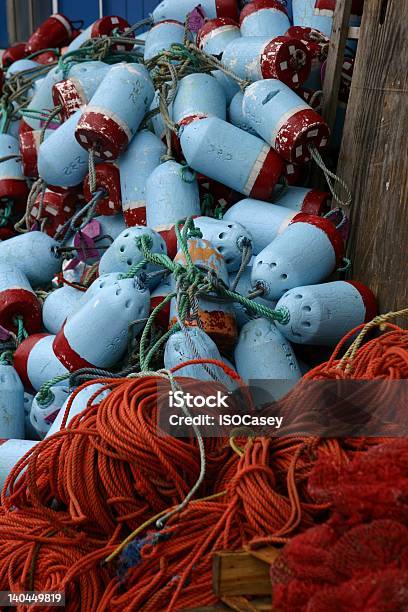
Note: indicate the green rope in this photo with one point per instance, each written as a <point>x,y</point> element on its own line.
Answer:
<point>193,280</point>
<point>194,276</point>
<point>187,174</point>
<point>41,51</point>
<point>5,214</point>
<point>145,360</point>
<point>207,205</point>
<point>21,331</point>
<point>45,395</point>
<point>3,120</point>
<point>6,358</point>
<point>33,113</point>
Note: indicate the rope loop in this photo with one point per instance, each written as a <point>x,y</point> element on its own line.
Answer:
<point>331,179</point>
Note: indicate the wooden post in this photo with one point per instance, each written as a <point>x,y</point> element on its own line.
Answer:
<point>374,153</point>
<point>335,60</point>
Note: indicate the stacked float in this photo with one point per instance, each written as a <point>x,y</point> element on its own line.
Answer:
<point>112,142</point>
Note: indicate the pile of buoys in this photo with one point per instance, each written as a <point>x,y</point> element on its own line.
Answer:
<point>157,229</point>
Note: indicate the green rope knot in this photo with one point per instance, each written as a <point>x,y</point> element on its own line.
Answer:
<point>6,358</point>
<point>188,175</point>
<point>5,214</point>
<point>45,396</point>
<point>282,315</point>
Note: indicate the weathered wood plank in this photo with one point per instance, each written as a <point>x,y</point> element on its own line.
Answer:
<point>267,555</point>
<point>335,58</point>
<point>242,604</point>
<point>374,154</point>
<point>240,573</point>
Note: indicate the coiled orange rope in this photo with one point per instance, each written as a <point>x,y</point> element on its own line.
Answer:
<point>79,512</point>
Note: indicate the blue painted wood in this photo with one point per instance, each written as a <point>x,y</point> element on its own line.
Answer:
<point>132,10</point>
<point>76,9</point>
<point>3,24</point>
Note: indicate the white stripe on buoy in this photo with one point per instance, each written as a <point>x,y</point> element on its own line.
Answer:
<point>283,120</point>
<point>133,205</point>
<point>64,22</point>
<point>256,169</point>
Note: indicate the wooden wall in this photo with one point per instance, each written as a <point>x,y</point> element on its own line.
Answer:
<point>374,155</point>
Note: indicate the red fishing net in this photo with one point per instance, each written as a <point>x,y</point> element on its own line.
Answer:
<point>358,560</point>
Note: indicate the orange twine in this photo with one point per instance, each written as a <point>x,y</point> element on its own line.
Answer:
<point>73,499</point>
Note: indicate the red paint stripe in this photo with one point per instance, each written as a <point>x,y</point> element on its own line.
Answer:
<point>210,26</point>
<point>107,178</point>
<point>258,5</point>
<point>29,150</point>
<point>135,216</point>
<point>20,302</point>
<point>66,94</point>
<point>276,52</point>
<point>369,300</point>
<point>295,133</point>
<point>66,354</point>
<point>316,202</point>
<point>102,133</point>
<point>15,190</point>
<point>21,356</point>
<point>163,316</point>
<point>169,237</point>
<point>268,177</point>
<point>227,8</point>
<point>328,228</point>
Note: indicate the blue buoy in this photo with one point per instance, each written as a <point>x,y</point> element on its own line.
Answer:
<point>179,9</point>
<point>199,95</point>
<point>42,415</point>
<point>162,36</point>
<point>264,18</point>
<point>171,195</point>
<point>79,87</point>
<point>228,238</point>
<point>144,153</point>
<point>58,306</point>
<point>284,120</point>
<point>116,110</point>
<point>13,185</point>
<point>324,314</point>
<point>11,403</point>
<point>36,362</point>
<point>124,253</point>
<point>194,343</point>
<point>236,114</point>
<point>97,334</point>
<point>34,254</point>
<point>11,451</point>
<point>245,287</point>
<point>216,34</point>
<point>231,156</point>
<point>62,162</point>
<point>263,353</point>
<point>305,253</point>
<point>263,220</point>
<point>261,57</point>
